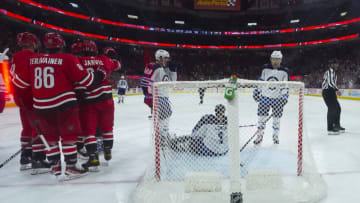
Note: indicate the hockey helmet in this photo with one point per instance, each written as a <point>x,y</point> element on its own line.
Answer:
<point>53,40</point>
<point>76,47</point>
<point>27,39</point>
<point>220,109</point>
<point>161,53</point>
<point>109,51</point>
<point>276,54</point>
<point>89,46</point>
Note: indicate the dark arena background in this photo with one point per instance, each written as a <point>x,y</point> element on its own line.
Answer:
<point>208,40</point>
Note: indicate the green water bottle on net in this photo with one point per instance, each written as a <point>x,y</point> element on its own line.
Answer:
<point>230,88</point>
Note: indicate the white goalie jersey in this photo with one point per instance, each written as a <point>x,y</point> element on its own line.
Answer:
<point>213,134</point>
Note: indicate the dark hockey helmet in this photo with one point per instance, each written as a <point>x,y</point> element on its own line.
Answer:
<point>219,109</point>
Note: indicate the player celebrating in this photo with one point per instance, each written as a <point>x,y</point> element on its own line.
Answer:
<point>98,105</point>
<point>112,54</point>
<point>51,77</point>
<point>122,86</point>
<point>158,72</point>
<point>274,98</point>
<point>35,153</point>
<point>209,137</point>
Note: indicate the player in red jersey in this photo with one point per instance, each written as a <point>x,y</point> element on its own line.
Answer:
<point>33,156</point>
<point>98,105</point>
<point>52,77</point>
<point>112,54</point>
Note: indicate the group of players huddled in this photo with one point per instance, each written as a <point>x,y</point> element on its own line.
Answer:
<point>65,97</point>
<point>68,99</point>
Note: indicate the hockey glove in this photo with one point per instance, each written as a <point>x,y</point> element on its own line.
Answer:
<point>172,66</point>
<point>256,95</point>
<point>3,55</point>
<point>284,99</point>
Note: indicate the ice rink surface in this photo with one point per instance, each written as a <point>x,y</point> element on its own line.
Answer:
<point>337,157</point>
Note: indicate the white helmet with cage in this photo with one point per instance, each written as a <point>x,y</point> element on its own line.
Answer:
<point>161,53</point>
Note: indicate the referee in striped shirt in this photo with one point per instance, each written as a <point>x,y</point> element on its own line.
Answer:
<point>329,89</point>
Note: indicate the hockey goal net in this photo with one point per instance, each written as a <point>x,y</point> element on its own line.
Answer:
<point>210,151</point>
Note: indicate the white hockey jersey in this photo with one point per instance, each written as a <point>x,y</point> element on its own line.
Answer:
<point>156,73</point>
<point>271,74</point>
<point>122,84</point>
<point>213,133</point>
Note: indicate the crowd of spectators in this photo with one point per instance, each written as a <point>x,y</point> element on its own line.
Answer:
<point>211,64</point>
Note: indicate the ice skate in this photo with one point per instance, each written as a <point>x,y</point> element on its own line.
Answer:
<point>41,166</point>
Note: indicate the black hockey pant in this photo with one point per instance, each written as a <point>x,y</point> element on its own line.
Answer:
<point>334,109</point>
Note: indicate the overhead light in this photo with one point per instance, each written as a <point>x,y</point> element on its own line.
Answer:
<point>252,24</point>
<point>132,16</point>
<point>74,5</point>
<point>343,13</point>
<point>180,22</point>
<point>295,21</point>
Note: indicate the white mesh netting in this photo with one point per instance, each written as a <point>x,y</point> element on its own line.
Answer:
<point>202,152</point>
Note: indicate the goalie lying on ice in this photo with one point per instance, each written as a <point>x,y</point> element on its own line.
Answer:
<point>208,137</point>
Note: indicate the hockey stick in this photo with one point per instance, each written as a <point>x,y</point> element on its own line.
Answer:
<point>257,131</point>
<point>244,126</point>
<point>19,151</point>
<point>252,137</point>
<point>40,135</point>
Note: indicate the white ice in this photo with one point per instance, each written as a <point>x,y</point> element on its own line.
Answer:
<point>337,158</point>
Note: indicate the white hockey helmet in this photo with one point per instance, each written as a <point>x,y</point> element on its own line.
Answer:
<point>276,54</point>
<point>122,77</point>
<point>161,53</point>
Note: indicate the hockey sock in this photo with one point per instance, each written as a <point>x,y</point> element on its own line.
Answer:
<point>70,153</point>
<point>262,123</point>
<point>276,125</point>
<point>54,153</point>
<point>108,144</point>
<point>80,142</point>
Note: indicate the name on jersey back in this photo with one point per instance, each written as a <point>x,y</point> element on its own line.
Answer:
<point>45,60</point>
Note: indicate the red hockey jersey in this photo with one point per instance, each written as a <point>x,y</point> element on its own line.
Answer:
<point>103,91</point>
<point>19,66</point>
<point>52,78</point>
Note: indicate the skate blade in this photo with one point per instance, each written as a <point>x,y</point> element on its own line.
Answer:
<point>83,157</point>
<point>94,169</point>
<point>25,167</point>
<point>40,171</point>
<point>68,177</point>
<point>106,163</point>
<point>333,133</point>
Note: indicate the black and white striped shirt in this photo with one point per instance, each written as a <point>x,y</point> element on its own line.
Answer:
<point>329,80</point>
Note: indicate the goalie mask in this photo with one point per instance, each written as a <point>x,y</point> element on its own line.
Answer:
<point>220,110</point>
